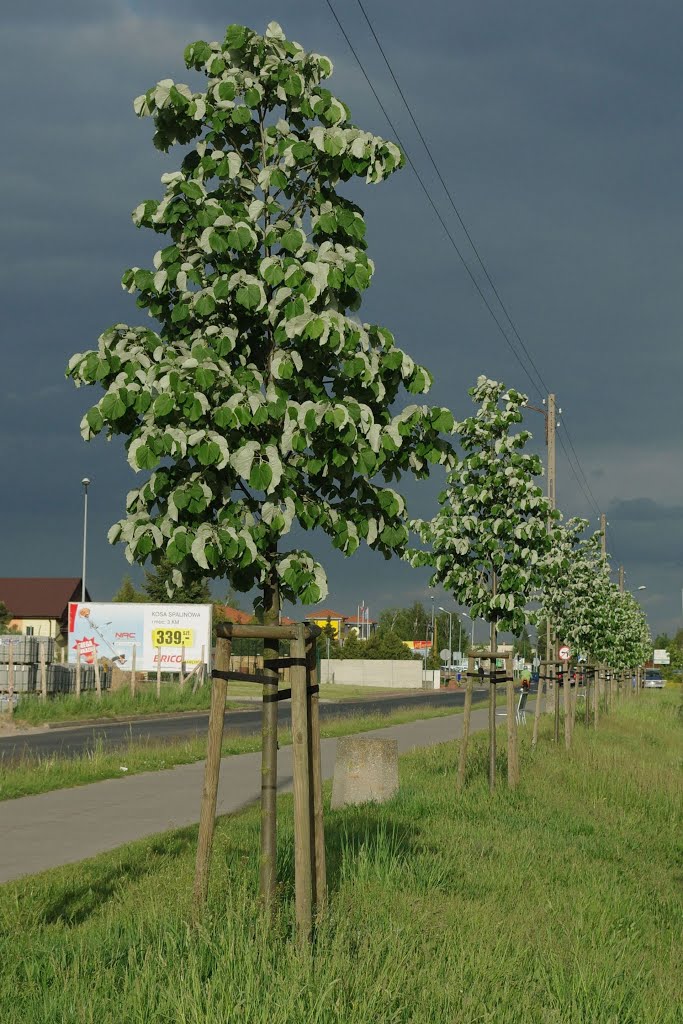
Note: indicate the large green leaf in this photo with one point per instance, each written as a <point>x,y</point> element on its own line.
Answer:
<point>260,476</point>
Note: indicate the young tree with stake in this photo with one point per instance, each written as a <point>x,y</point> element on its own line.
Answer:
<point>259,404</point>
<point>486,543</point>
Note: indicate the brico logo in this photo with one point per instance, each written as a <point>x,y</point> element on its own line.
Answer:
<point>125,636</point>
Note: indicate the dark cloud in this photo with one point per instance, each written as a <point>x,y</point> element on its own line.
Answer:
<point>645,510</point>
<point>558,130</point>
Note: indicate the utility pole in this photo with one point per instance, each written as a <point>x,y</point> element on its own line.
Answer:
<point>550,425</point>
<point>621,578</point>
<point>603,531</point>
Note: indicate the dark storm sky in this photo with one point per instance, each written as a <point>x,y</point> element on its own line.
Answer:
<point>558,129</point>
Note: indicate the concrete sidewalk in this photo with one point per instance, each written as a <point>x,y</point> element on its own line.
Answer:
<point>68,825</point>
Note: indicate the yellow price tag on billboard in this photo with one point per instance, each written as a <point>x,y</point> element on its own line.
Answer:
<point>172,637</point>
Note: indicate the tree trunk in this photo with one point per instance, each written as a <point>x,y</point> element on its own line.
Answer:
<point>462,760</point>
<point>492,704</point>
<point>271,652</point>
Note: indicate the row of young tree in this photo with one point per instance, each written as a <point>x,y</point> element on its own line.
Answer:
<point>261,403</point>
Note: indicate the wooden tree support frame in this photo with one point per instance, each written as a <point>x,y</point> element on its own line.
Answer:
<point>309,838</point>
<point>496,676</point>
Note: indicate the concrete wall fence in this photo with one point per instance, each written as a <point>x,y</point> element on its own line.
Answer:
<point>397,675</point>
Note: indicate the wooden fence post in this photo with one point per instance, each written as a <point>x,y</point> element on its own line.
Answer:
<point>132,671</point>
<point>199,678</point>
<point>43,672</point>
<point>302,802</point>
<point>319,875</point>
<point>98,682</point>
<point>207,815</point>
<point>10,676</point>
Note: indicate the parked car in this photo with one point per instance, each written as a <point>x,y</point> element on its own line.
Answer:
<point>653,679</point>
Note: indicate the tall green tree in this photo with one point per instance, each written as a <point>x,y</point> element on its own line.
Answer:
<point>259,403</point>
<point>522,645</point>
<point>5,619</point>
<point>157,586</point>
<point>128,593</point>
<point>486,543</point>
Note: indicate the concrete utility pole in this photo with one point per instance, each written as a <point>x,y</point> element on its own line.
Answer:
<point>603,531</point>
<point>621,578</point>
<point>550,425</point>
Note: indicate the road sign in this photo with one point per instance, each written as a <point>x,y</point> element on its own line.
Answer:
<point>564,653</point>
<point>444,654</point>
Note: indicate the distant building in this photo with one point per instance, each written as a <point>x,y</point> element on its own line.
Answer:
<point>40,605</point>
<point>241,618</point>
<point>327,617</point>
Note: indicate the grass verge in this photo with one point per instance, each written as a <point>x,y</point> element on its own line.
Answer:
<point>556,904</point>
<point>30,775</point>
<point>31,710</point>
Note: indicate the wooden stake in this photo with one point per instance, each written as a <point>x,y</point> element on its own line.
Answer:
<point>316,787</point>
<point>268,843</point>
<point>132,671</point>
<point>207,814</point>
<point>567,709</point>
<point>537,710</point>
<point>512,752</point>
<point>199,678</point>
<point>78,674</point>
<point>10,676</point>
<point>302,803</point>
<point>159,652</point>
<point>556,702</point>
<point>492,703</point>
<point>98,684</point>
<point>467,715</point>
<point>43,672</point>
<point>596,696</point>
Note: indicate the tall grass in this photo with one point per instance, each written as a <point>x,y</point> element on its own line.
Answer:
<point>66,707</point>
<point>556,904</point>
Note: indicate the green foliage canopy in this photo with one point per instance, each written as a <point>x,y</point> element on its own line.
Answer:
<point>487,542</point>
<point>259,403</point>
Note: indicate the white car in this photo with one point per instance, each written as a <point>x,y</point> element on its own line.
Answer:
<point>653,679</point>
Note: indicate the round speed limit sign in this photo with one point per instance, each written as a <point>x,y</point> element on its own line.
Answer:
<point>564,653</point>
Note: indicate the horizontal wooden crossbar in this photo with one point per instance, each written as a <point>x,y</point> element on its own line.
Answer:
<point>260,678</point>
<point>286,694</point>
<point>237,631</point>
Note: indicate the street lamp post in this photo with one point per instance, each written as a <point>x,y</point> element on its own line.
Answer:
<point>450,635</point>
<point>472,620</point>
<point>86,484</point>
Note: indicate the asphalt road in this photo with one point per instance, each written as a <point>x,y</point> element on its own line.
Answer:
<point>75,740</point>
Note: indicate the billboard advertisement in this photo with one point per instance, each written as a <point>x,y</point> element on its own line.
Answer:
<point>158,632</point>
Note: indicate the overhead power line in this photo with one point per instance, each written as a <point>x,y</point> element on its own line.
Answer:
<point>430,200</point>
<point>573,458</point>
<point>451,200</point>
